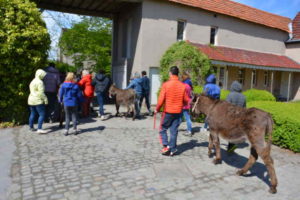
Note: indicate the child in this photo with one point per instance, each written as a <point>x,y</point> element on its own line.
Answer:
<point>212,90</point>
<point>188,88</point>
<point>71,96</point>
<point>236,98</point>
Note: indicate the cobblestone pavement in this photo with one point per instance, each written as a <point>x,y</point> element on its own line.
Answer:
<point>119,159</point>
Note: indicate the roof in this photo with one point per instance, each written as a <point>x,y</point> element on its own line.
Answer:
<point>240,56</point>
<point>241,11</point>
<point>296,27</point>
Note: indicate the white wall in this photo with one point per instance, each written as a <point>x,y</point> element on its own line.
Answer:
<point>293,51</point>
<point>159,29</point>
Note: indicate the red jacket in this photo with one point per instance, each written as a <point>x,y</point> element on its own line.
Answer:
<point>86,84</point>
<point>173,96</point>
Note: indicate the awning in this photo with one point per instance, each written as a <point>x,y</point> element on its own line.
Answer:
<point>248,59</point>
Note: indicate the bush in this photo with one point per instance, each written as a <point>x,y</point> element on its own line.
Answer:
<point>286,117</point>
<point>24,42</point>
<point>258,95</point>
<point>63,67</point>
<point>188,58</point>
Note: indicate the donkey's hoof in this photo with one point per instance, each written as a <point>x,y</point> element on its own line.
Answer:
<point>217,161</point>
<point>210,154</point>
<point>273,190</point>
<point>239,172</point>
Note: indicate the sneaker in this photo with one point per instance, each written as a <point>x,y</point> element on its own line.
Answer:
<point>203,129</point>
<point>165,151</point>
<point>76,131</point>
<point>41,131</point>
<point>188,133</point>
<point>173,152</point>
<point>32,129</point>
<point>102,117</point>
<point>231,147</point>
<point>66,133</point>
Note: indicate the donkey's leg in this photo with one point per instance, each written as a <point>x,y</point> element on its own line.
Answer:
<point>216,143</point>
<point>266,157</point>
<point>117,108</point>
<point>210,146</point>
<point>252,159</point>
<point>133,111</point>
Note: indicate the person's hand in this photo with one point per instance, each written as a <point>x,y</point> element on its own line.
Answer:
<point>155,111</point>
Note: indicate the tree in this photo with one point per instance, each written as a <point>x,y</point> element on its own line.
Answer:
<point>89,39</point>
<point>188,58</point>
<point>24,43</point>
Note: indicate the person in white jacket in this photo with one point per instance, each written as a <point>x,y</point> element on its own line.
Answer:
<point>37,101</point>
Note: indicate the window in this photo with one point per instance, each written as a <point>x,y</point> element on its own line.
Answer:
<point>254,77</point>
<point>213,35</point>
<point>222,77</point>
<point>266,79</point>
<point>241,76</point>
<point>180,30</point>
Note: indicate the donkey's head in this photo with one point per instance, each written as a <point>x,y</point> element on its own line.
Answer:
<point>201,103</point>
<point>112,90</point>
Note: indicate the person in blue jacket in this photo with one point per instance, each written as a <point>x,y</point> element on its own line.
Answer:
<point>146,92</point>
<point>71,96</point>
<point>212,90</point>
<point>136,84</point>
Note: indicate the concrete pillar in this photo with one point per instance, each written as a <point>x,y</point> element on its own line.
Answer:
<point>272,80</point>
<point>289,86</point>
<point>252,74</point>
<point>226,79</point>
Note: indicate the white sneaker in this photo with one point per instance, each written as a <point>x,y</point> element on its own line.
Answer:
<point>102,117</point>
<point>203,129</point>
<point>41,131</point>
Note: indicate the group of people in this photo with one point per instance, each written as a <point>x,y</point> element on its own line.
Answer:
<point>47,90</point>
<point>176,97</point>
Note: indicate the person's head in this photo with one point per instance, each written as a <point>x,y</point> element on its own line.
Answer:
<point>52,64</point>
<point>185,76</point>
<point>85,72</point>
<point>174,71</point>
<point>144,73</point>
<point>136,75</point>
<point>40,74</point>
<point>70,77</point>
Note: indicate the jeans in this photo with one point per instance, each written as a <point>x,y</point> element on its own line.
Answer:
<point>100,99</point>
<point>52,105</point>
<point>71,111</point>
<point>171,121</point>
<point>146,96</point>
<point>187,118</point>
<point>137,104</point>
<point>205,123</point>
<point>34,110</point>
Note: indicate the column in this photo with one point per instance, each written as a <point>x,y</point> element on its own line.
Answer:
<point>272,80</point>
<point>289,86</point>
<point>252,73</point>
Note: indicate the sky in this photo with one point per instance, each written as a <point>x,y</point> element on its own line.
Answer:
<point>55,21</point>
<point>287,8</point>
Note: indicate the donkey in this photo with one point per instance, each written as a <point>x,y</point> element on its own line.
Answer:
<point>236,124</point>
<point>125,98</point>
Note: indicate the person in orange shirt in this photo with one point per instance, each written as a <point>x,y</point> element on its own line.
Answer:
<point>172,97</point>
<point>88,91</point>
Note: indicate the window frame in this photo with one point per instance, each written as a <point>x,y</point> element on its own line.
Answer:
<point>241,76</point>
<point>254,77</point>
<point>184,30</point>
<point>266,78</point>
<point>215,41</point>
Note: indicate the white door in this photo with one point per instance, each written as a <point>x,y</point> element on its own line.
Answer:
<point>284,84</point>
<point>155,84</point>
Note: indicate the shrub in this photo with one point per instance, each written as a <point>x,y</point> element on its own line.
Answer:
<point>24,42</point>
<point>188,58</point>
<point>63,67</point>
<point>258,95</point>
<point>286,117</point>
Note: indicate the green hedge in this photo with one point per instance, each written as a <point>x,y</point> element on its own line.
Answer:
<point>286,117</point>
<point>258,95</point>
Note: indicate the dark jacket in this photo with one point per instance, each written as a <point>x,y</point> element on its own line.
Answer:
<point>136,84</point>
<point>146,84</point>
<point>211,89</point>
<point>101,83</point>
<point>70,94</point>
<point>52,79</point>
<point>236,97</point>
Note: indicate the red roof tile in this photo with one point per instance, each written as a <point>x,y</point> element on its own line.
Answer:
<point>246,57</point>
<point>296,27</point>
<point>241,11</point>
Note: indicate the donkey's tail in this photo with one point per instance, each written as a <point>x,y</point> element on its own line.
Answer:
<point>269,129</point>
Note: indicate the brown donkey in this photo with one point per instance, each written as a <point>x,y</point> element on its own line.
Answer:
<point>237,124</point>
<point>124,98</point>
